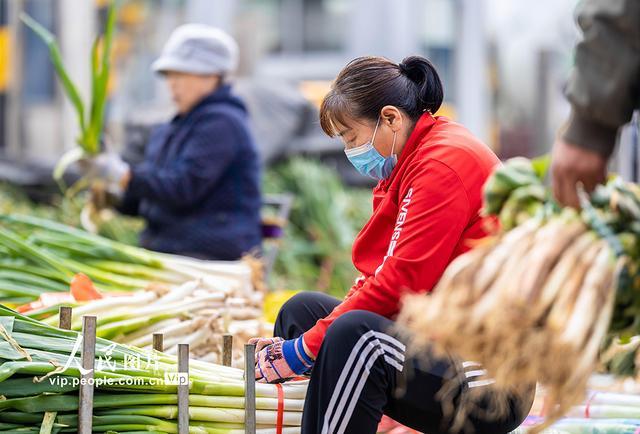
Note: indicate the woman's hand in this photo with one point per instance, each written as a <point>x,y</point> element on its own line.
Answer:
<point>281,360</point>
<point>260,343</point>
<point>112,169</point>
<point>109,168</point>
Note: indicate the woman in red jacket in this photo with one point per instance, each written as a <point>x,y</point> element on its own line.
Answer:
<point>426,211</point>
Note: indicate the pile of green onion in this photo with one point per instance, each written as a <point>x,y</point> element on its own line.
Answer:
<point>600,413</point>
<point>186,314</point>
<point>37,394</point>
<point>539,300</point>
<point>39,256</point>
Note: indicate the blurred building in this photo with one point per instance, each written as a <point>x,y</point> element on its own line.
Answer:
<point>303,43</point>
<point>503,64</point>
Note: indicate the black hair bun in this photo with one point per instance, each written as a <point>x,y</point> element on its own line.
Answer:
<point>413,69</point>
<point>422,72</point>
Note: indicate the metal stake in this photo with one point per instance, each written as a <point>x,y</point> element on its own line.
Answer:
<point>85,408</point>
<point>158,341</point>
<point>249,389</point>
<point>64,317</point>
<point>227,349</point>
<point>183,389</point>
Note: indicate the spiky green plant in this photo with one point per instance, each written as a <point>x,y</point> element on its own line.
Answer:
<point>91,122</point>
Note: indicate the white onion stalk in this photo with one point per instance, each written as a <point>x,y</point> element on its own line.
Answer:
<point>150,403</point>
<point>110,304</point>
<point>180,292</point>
<point>147,332</point>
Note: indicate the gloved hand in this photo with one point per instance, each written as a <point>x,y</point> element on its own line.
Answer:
<point>111,169</point>
<point>282,360</point>
<point>260,343</point>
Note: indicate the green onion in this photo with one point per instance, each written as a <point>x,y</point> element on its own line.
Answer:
<point>90,124</point>
<point>43,256</point>
<point>35,388</point>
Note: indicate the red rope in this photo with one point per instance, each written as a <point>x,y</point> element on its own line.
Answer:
<point>280,417</point>
<point>587,407</point>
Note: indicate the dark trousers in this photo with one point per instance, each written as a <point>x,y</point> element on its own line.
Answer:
<point>361,372</point>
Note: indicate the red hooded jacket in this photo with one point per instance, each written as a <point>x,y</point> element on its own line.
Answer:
<point>424,215</point>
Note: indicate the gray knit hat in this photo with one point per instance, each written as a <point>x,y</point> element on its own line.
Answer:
<point>198,49</point>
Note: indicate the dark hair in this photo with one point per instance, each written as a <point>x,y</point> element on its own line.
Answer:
<point>369,83</point>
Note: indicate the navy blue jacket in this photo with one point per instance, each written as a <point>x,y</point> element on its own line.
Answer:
<point>199,184</point>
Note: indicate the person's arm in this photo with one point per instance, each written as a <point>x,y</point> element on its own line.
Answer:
<point>433,215</point>
<point>209,150</point>
<point>604,87</point>
<point>129,205</point>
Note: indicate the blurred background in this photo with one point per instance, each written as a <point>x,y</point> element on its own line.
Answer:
<point>503,62</point>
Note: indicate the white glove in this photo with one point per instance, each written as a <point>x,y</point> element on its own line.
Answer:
<point>111,169</point>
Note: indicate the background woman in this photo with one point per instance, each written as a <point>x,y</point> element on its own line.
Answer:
<point>198,187</point>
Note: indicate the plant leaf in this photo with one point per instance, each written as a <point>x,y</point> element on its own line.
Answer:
<point>56,58</point>
<point>90,141</point>
<point>47,422</point>
<point>100,77</point>
<point>67,159</point>
<point>541,165</point>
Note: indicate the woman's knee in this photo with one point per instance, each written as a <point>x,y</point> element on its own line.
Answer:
<point>300,313</point>
<point>301,300</point>
<point>513,411</point>
<point>352,325</point>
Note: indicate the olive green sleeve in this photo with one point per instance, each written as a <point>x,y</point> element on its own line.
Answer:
<point>604,87</point>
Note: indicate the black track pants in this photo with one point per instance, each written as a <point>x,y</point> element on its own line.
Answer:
<point>361,372</point>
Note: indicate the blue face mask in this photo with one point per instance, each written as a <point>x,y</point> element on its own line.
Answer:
<point>369,162</point>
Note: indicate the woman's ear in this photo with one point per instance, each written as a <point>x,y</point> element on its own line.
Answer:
<point>391,116</point>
